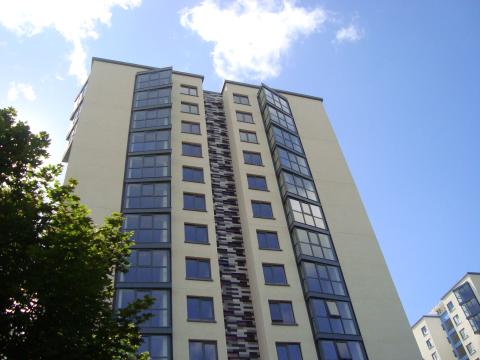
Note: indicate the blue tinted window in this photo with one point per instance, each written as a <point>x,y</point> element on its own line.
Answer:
<point>200,308</point>
<point>198,269</point>
<point>333,317</point>
<point>147,196</point>
<point>152,97</point>
<point>148,166</point>
<point>196,233</point>
<point>288,351</point>
<point>262,210</point>
<point>192,174</point>
<point>158,346</point>
<point>202,350</point>
<point>148,228</point>
<point>159,309</point>
<point>268,240</point>
<point>151,118</point>
<point>192,149</point>
<point>252,158</point>
<point>281,312</point>
<point>274,274</point>
<point>324,279</point>
<point>194,202</point>
<point>149,141</point>
<point>256,182</point>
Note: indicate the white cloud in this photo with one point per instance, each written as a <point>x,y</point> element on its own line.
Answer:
<point>250,36</point>
<point>350,33</point>
<point>15,90</point>
<point>75,20</point>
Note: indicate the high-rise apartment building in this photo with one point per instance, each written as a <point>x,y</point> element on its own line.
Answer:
<point>248,228</point>
<point>452,329</point>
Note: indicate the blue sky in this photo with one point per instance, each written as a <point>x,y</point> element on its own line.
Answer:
<point>400,81</point>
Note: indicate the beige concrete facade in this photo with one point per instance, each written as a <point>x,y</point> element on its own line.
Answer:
<point>96,158</point>
<point>431,338</point>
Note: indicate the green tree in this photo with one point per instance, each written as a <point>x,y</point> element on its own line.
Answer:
<point>56,265</point>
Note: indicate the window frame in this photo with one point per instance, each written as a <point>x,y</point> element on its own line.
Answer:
<point>270,279</point>
<point>188,88</point>
<point>161,166</point>
<point>197,260</point>
<point>164,269</point>
<point>240,116</point>
<point>203,343</point>
<point>191,125</point>
<point>158,144</point>
<point>196,197</point>
<point>161,119</point>
<point>165,199</point>
<point>255,178</point>
<point>189,108</point>
<point>164,313</point>
<point>259,213</point>
<point>248,136</point>
<point>201,300</point>
<point>333,284</point>
<point>282,321</point>
<point>196,226</point>
<point>154,232</point>
<point>287,350</point>
<point>193,170</point>
<point>187,145</point>
<point>266,232</point>
<point>240,99</point>
<point>257,155</point>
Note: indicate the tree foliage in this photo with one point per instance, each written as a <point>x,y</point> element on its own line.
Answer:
<point>56,265</point>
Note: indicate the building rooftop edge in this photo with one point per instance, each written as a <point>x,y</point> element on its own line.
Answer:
<point>424,316</point>
<point>146,67</point>
<point>279,90</point>
<point>456,284</point>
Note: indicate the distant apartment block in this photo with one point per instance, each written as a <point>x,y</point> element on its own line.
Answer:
<point>249,230</point>
<point>452,330</point>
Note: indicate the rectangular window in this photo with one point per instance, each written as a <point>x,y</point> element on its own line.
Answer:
<point>188,90</point>
<point>189,149</point>
<point>189,127</point>
<point>471,350</point>
<point>152,97</point>
<point>241,99</point>
<point>200,308</point>
<point>456,320</point>
<point>285,138</point>
<point>463,334</point>
<point>273,115</point>
<point>252,158</point>
<point>324,279</point>
<point>192,174</point>
<point>288,351</point>
<point>450,306</point>
<point>198,269</point>
<point>194,202</point>
<point>424,331</point>
<point>471,307</point>
<point>298,185</point>
<point>195,233</point>
<point>159,309</point>
<point>148,229</point>
<point>332,317</point>
<point>148,166</point>
<point>256,182</point>
<point>152,79</point>
<point>147,196</point>
<point>281,312</point>
<point>202,350</point>
<point>341,350</point>
<point>267,240</point>
<point>262,210</point>
<point>429,344</point>
<point>149,141</point>
<point>274,274</point>
<point>302,212</point>
<point>314,244</point>
<point>244,117</point>
<point>151,118</point>
<point>147,266</point>
<point>291,161</point>
<point>158,346</point>
<point>248,136</point>
<point>464,293</point>
<point>435,356</point>
<point>189,108</point>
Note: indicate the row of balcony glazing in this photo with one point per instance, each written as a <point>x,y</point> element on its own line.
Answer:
<point>147,210</point>
<point>334,326</point>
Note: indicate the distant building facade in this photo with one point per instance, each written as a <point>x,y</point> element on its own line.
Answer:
<point>452,330</point>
